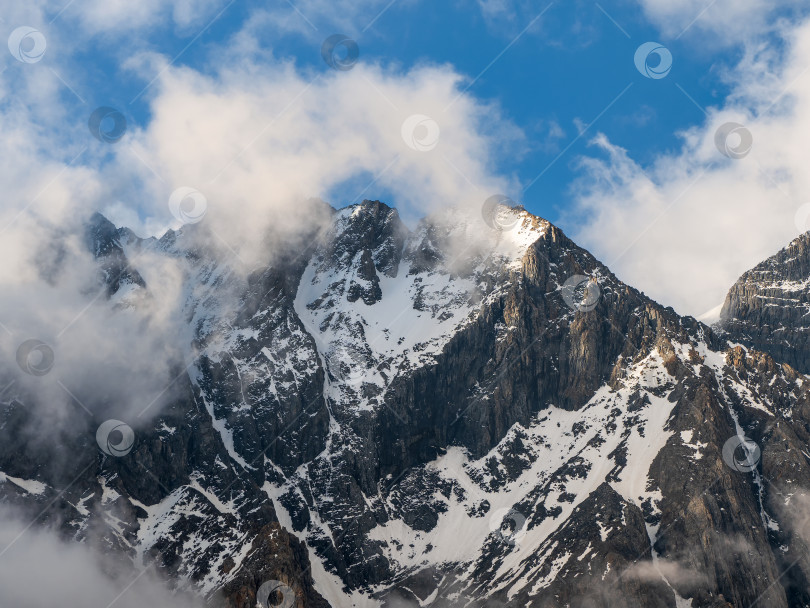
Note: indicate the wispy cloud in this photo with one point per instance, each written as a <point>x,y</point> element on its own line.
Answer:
<point>729,21</point>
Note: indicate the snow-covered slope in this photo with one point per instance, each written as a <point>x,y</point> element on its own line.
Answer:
<point>383,308</point>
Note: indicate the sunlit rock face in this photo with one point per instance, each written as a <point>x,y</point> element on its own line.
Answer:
<point>768,308</point>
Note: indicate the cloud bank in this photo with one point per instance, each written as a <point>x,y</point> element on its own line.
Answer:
<point>38,569</point>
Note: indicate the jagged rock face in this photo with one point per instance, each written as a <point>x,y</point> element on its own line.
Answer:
<point>767,308</point>
<point>427,417</point>
<point>103,239</point>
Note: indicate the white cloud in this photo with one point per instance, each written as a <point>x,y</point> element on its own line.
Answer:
<point>257,140</point>
<point>729,21</point>
<point>48,280</point>
<point>317,19</point>
<point>684,228</point>
<point>110,17</point>
<point>675,574</point>
<point>497,9</point>
<point>553,23</point>
<point>37,569</point>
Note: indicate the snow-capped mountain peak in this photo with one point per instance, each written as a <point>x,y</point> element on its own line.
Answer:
<point>471,412</point>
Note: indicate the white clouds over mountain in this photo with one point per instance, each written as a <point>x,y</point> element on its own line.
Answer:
<point>685,227</point>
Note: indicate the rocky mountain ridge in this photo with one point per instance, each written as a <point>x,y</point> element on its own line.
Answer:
<point>768,308</point>
<point>456,415</point>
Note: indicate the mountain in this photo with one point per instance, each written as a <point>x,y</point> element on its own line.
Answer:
<point>469,413</point>
<point>767,308</point>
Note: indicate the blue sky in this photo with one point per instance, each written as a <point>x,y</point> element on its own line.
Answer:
<point>552,67</point>
<point>540,101</point>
